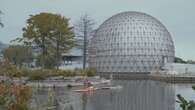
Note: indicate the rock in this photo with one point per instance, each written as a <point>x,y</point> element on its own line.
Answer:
<point>55,78</point>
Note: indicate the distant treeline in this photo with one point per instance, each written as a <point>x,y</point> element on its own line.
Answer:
<point>180,60</point>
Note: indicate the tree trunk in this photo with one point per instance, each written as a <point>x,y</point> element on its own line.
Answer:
<point>43,52</point>
<point>58,50</point>
<point>57,53</point>
<point>85,45</point>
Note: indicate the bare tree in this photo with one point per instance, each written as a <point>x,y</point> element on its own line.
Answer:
<point>1,24</point>
<point>83,29</point>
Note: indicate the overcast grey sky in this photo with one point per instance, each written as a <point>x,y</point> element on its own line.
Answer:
<point>177,15</point>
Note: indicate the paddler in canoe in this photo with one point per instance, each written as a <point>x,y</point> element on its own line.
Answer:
<point>88,89</point>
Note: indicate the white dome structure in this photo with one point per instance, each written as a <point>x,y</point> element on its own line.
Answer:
<point>131,42</point>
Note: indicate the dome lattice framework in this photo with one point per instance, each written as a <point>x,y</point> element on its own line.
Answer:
<point>131,42</point>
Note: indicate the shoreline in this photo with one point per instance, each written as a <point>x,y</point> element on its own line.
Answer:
<point>57,81</point>
<point>76,81</point>
<point>168,78</point>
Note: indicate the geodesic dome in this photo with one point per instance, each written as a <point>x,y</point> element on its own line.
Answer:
<point>131,42</point>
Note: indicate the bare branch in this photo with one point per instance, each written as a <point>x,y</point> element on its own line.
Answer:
<point>1,24</point>
<point>83,29</point>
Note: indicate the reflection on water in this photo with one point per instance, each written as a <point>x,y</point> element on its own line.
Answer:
<point>135,95</point>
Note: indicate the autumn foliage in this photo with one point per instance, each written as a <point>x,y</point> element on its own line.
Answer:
<point>14,97</point>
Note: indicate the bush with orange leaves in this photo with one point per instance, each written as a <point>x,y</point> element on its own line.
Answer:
<point>14,97</point>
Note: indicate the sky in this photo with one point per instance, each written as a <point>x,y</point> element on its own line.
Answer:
<point>177,15</point>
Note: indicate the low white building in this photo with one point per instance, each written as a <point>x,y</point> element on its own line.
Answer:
<point>72,59</point>
<point>180,68</point>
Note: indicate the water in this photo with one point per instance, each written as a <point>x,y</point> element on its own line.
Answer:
<point>135,95</point>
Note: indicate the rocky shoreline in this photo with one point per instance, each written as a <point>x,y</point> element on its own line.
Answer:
<point>56,81</point>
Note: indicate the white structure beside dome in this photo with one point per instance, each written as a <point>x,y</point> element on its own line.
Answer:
<point>131,42</point>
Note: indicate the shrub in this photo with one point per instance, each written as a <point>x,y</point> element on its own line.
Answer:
<point>67,72</point>
<point>38,74</point>
<point>90,71</point>
<point>48,61</point>
<point>79,72</point>
<point>14,97</point>
<point>8,69</point>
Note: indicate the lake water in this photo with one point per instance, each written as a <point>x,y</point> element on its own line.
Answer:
<point>135,95</point>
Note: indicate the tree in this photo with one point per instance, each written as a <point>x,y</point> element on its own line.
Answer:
<point>84,28</point>
<point>179,60</point>
<point>18,55</point>
<point>50,33</point>
<point>49,61</point>
<point>190,62</point>
<point>63,37</point>
<point>1,24</point>
<point>185,104</point>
